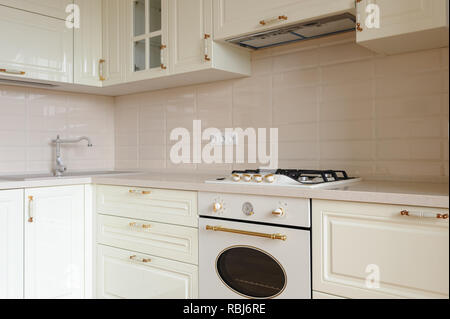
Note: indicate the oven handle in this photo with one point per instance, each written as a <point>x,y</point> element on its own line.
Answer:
<point>248,233</point>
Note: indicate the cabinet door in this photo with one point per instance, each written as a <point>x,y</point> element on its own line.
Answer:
<point>115,41</point>
<point>190,35</point>
<point>88,43</point>
<point>405,25</point>
<point>54,242</point>
<point>237,17</point>
<point>373,251</point>
<point>126,274</point>
<point>35,46</point>
<point>11,244</point>
<point>51,8</point>
<point>148,39</point>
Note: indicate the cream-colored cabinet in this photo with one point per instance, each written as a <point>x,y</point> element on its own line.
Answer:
<point>397,26</point>
<point>11,244</point>
<point>54,242</point>
<point>35,47</point>
<point>131,275</point>
<point>376,251</point>
<point>115,41</point>
<point>51,8</point>
<point>237,17</point>
<point>88,63</point>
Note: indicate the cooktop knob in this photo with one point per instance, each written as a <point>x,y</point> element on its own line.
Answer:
<point>258,178</point>
<point>236,177</point>
<point>270,178</point>
<point>247,209</point>
<point>279,212</point>
<point>247,177</point>
<point>217,207</point>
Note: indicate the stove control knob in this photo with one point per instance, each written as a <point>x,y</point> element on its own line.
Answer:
<point>247,209</point>
<point>258,178</point>
<point>236,177</point>
<point>247,177</point>
<point>270,178</point>
<point>217,207</point>
<point>279,212</point>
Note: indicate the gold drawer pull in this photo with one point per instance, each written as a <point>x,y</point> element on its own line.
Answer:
<point>135,191</point>
<point>101,64</point>
<point>247,233</point>
<point>142,260</point>
<point>11,71</point>
<point>135,225</point>
<point>274,19</point>
<point>30,209</point>
<point>423,215</point>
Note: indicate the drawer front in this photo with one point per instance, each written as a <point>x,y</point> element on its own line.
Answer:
<point>130,275</point>
<point>373,251</point>
<point>167,206</point>
<point>163,240</point>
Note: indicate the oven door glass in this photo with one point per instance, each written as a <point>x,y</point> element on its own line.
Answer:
<point>251,272</point>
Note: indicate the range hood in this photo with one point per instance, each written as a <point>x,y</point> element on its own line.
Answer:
<point>297,32</point>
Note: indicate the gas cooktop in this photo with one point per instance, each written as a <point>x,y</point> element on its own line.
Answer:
<point>287,177</point>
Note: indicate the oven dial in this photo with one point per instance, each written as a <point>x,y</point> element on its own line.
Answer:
<point>279,212</point>
<point>247,177</point>
<point>217,207</point>
<point>247,209</point>
<point>236,177</point>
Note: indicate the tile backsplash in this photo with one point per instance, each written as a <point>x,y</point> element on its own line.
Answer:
<point>31,118</point>
<point>336,104</point>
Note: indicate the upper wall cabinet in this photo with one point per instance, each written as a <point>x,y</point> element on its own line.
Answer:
<point>238,17</point>
<point>404,25</point>
<point>88,60</point>
<point>35,46</point>
<point>51,8</point>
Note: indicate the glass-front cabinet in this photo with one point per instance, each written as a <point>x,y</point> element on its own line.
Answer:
<point>149,25</point>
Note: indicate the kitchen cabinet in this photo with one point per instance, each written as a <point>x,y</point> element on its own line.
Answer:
<point>404,25</point>
<point>233,18</point>
<point>11,244</point>
<point>147,39</point>
<point>35,47</point>
<point>51,8</point>
<point>375,251</point>
<point>115,40</point>
<point>54,242</point>
<point>88,60</point>
<point>127,274</point>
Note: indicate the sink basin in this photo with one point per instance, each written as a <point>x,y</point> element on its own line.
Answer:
<point>31,177</point>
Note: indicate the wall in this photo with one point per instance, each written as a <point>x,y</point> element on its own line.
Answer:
<point>31,118</point>
<point>337,105</point>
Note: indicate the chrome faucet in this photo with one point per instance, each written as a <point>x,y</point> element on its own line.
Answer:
<point>60,167</point>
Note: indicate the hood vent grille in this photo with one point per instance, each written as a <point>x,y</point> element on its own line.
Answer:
<point>297,32</point>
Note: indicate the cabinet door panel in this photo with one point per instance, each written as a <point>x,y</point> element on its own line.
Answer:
<point>11,244</point>
<point>39,46</point>
<point>52,8</point>
<point>54,242</point>
<point>406,257</point>
<point>119,276</point>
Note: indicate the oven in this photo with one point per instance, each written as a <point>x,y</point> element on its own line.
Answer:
<point>254,247</point>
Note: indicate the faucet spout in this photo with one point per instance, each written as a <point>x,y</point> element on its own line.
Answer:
<point>60,167</point>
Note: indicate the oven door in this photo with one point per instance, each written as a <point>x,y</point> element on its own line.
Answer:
<point>241,260</point>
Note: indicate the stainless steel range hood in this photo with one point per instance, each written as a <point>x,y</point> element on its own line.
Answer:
<point>297,32</point>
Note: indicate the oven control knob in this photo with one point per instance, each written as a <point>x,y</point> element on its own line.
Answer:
<point>217,207</point>
<point>247,209</point>
<point>258,178</point>
<point>247,177</point>
<point>270,178</point>
<point>279,212</point>
<point>236,177</point>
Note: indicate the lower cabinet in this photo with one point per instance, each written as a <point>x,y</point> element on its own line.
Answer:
<point>380,251</point>
<point>127,274</point>
<point>54,242</point>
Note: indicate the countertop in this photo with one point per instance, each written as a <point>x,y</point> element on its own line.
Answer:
<point>386,192</point>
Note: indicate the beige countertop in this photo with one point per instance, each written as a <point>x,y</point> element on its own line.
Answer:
<point>386,192</point>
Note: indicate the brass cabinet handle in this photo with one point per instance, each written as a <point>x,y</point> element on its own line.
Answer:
<point>136,225</point>
<point>142,260</point>
<point>272,20</point>
<point>11,71</point>
<point>423,215</point>
<point>247,233</point>
<point>206,40</point>
<point>163,65</point>
<point>135,191</point>
<point>30,209</point>
<point>101,63</point>
<point>358,27</point>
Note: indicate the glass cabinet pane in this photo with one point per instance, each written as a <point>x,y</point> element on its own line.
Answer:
<point>139,55</point>
<point>155,15</point>
<point>251,272</point>
<point>155,52</point>
<point>139,17</point>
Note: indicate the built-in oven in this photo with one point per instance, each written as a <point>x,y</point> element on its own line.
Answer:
<point>254,247</point>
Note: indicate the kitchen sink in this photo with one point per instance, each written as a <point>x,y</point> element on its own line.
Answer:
<point>31,177</point>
